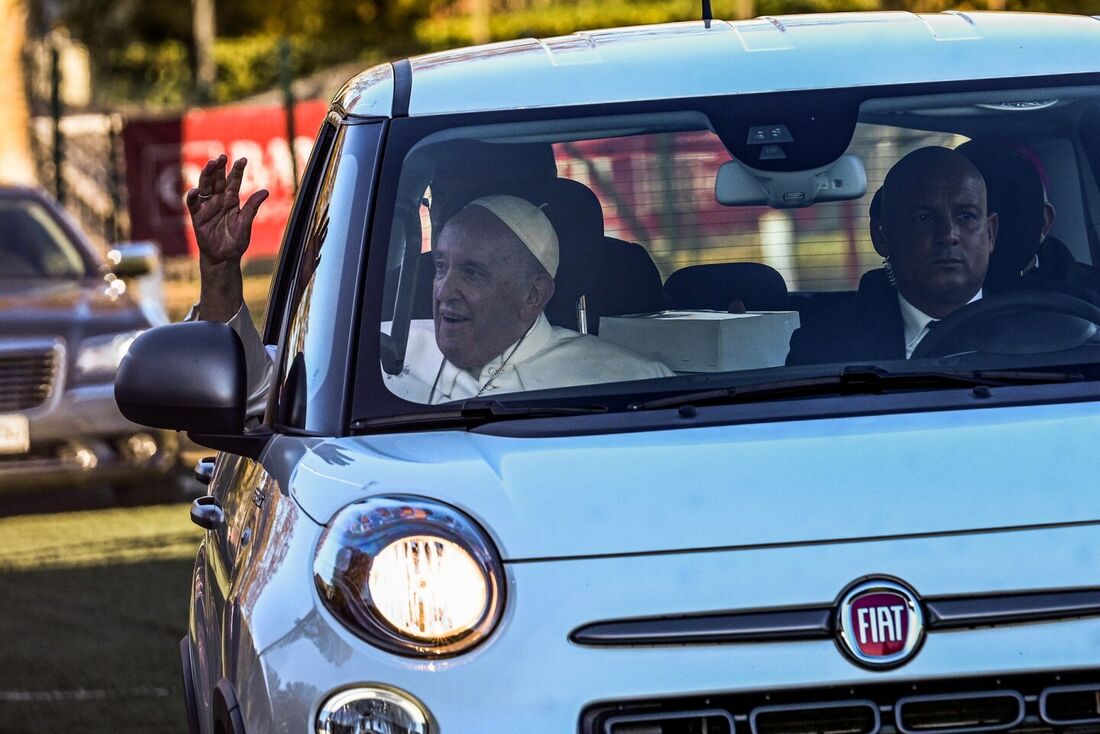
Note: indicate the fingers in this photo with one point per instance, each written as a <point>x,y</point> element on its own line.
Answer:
<point>191,199</point>
<point>208,177</point>
<point>219,174</point>
<point>248,211</point>
<point>233,181</point>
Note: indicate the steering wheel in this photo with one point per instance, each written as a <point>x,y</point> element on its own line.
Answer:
<point>1022,322</point>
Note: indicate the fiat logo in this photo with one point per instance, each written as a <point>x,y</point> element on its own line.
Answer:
<point>880,623</point>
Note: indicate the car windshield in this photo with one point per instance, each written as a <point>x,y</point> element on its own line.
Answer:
<point>731,242</point>
<point>33,244</point>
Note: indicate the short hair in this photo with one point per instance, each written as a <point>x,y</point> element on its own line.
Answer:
<point>916,165</point>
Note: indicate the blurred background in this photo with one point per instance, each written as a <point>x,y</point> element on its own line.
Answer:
<point>111,107</point>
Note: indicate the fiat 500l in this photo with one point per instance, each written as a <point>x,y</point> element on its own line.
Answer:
<point>721,469</point>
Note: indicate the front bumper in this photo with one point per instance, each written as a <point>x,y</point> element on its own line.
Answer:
<point>529,677</point>
<point>80,437</point>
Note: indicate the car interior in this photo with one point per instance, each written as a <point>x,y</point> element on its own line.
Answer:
<point>659,213</point>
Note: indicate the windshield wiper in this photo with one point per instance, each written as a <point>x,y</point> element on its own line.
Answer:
<point>494,409</point>
<point>858,380</point>
<point>473,413</point>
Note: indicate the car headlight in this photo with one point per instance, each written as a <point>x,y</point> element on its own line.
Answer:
<point>99,356</point>
<point>410,575</point>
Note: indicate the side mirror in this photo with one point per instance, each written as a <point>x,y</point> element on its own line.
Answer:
<point>189,377</point>
<point>134,259</point>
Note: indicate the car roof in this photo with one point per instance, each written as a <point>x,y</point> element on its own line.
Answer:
<point>19,191</point>
<point>697,58</point>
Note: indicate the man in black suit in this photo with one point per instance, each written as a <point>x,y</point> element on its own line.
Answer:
<point>937,236</point>
<point>1027,256</point>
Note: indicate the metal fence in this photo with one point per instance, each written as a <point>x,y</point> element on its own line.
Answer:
<point>91,171</point>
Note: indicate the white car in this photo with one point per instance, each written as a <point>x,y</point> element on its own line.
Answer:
<point>863,544</point>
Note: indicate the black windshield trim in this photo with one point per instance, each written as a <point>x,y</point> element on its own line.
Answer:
<point>855,379</point>
<point>816,408</point>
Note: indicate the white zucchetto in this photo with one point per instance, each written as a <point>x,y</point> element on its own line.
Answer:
<point>527,222</point>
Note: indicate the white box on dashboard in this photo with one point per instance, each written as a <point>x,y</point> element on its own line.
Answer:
<point>705,341</point>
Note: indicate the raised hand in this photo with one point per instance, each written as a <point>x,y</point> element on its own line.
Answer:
<point>222,226</point>
<point>222,230</point>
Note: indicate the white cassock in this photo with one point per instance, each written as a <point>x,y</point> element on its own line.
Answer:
<point>547,357</point>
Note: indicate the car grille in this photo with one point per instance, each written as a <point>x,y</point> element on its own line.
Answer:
<point>27,377</point>
<point>1034,704</point>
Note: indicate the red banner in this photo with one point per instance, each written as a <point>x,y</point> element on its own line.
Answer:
<point>164,158</point>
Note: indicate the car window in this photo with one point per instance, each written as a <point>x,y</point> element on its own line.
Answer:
<point>33,244</point>
<point>323,268</point>
<point>669,249</point>
<point>283,279</point>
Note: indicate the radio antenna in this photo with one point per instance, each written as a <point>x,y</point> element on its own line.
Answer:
<point>707,15</point>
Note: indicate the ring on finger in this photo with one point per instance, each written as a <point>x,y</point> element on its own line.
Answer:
<point>204,197</point>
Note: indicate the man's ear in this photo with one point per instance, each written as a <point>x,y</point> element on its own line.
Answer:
<point>992,224</point>
<point>1048,220</point>
<point>882,242</point>
<point>539,294</point>
<point>878,236</point>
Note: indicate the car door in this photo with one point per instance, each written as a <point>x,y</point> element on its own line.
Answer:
<point>239,485</point>
<point>311,314</point>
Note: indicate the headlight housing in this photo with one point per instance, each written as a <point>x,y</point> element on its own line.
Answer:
<point>99,356</point>
<point>410,575</point>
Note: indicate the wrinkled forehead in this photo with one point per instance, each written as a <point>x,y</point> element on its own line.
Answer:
<point>476,234</point>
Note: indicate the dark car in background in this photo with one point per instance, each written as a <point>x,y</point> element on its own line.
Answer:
<point>66,320</point>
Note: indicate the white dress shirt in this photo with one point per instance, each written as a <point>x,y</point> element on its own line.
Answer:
<point>916,322</point>
<point>547,357</point>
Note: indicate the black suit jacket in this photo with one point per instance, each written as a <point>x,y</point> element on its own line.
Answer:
<point>1058,266</point>
<point>868,328</point>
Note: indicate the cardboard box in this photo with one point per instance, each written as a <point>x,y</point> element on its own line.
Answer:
<point>705,341</point>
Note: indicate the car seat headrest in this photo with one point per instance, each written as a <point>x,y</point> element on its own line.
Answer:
<point>757,286</point>
<point>574,209</point>
<point>1014,191</point>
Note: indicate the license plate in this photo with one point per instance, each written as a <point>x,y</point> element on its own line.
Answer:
<point>15,434</point>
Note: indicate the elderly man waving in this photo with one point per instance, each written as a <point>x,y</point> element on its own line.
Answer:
<point>494,273</point>
<point>495,263</point>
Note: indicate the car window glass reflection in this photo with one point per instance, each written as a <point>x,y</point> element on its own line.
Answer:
<point>32,245</point>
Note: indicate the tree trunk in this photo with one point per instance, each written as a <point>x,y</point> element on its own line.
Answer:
<point>16,162</point>
<point>479,21</point>
<point>205,31</point>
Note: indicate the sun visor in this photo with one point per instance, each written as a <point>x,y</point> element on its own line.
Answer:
<point>739,185</point>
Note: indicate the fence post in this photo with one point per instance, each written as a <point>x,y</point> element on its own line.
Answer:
<point>286,78</point>
<point>114,183</point>
<point>55,113</point>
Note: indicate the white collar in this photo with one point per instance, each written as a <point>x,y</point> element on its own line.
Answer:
<point>534,339</point>
<point>916,322</point>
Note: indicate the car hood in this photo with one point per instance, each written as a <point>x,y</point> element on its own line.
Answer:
<point>761,485</point>
<point>67,308</point>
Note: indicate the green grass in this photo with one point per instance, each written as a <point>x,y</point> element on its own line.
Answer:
<point>93,607</point>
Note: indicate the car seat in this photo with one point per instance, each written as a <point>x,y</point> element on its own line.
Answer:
<point>616,277</point>
<point>715,287</point>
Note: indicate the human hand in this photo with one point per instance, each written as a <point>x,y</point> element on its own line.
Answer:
<point>222,226</point>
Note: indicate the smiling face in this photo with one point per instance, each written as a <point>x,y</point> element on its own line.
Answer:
<point>488,289</point>
<point>936,230</point>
